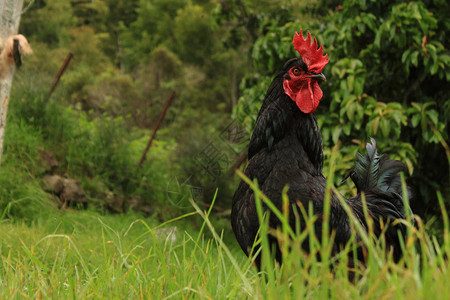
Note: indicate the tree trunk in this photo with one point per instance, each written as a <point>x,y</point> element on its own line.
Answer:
<point>10,11</point>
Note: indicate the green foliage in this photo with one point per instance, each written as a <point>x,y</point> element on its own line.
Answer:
<point>100,152</point>
<point>152,27</point>
<point>193,26</point>
<point>86,47</point>
<point>123,69</point>
<point>54,20</point>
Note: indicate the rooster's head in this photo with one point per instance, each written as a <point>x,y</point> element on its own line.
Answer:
<point>302,75</point>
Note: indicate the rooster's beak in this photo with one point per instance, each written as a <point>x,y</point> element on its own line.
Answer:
<point>318,77</point>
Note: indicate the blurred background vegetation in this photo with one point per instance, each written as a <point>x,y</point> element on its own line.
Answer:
<point>388,78</point>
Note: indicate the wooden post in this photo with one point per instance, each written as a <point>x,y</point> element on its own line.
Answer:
<point>161,117</point>
<point>10,11</point>
<point>58,76</point>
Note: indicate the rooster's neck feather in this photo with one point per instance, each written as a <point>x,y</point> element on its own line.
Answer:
<point>278,118</point>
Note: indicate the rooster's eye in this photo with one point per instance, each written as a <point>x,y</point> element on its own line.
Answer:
<point>296,71</point>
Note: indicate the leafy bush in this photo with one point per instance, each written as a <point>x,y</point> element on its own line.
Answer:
<point>194,27</point>
<point>102,153</point>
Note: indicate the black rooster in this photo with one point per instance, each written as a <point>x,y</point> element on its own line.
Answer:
<point>286,149</point>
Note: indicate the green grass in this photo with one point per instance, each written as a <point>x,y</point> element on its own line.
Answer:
<point>71,254</point>
<point>83,255</point>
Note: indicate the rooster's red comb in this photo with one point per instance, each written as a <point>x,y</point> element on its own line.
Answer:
<point>312,57</point>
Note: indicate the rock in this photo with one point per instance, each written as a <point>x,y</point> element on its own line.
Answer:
<point>69,191</point>
<point>53,184</point>
<point>73,193</point>
<point>114,203</point>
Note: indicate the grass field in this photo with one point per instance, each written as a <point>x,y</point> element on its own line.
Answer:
<point>82,254</point>
<point>78,255</point>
